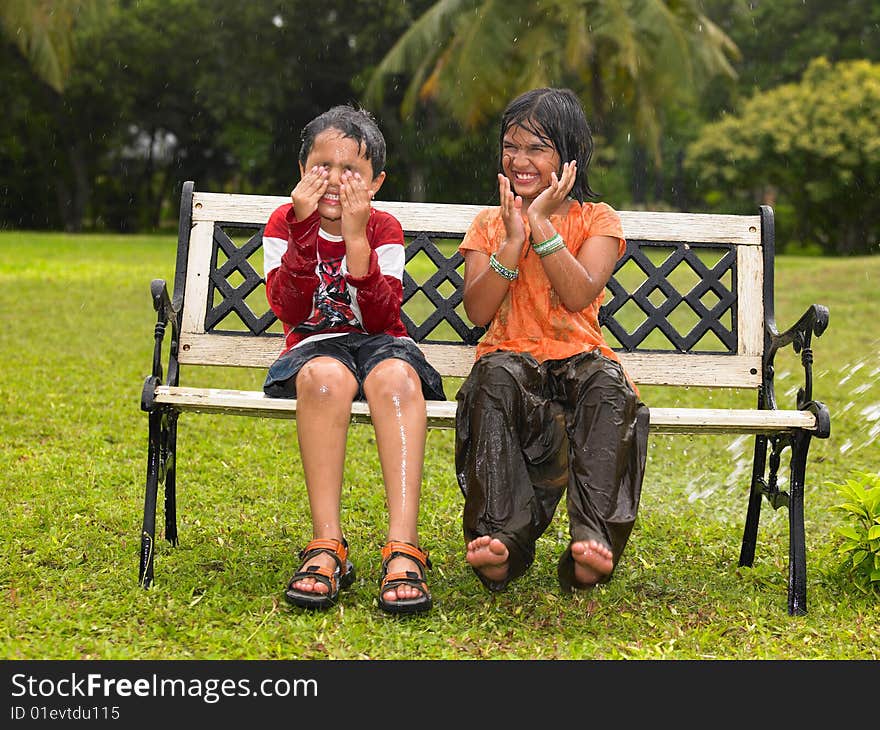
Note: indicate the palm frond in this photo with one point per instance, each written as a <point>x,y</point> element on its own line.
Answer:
<point>418,47</point>
<point>42,30</point>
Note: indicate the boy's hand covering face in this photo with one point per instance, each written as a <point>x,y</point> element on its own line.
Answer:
<point>355,196</point>
<point>308,192</point>
<point>337,162</point>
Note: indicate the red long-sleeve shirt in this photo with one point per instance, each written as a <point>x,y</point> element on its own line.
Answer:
<point>308,285</point>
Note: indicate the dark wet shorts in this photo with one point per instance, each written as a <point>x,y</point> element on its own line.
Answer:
<point>528,433</point>
<point>360,353</point>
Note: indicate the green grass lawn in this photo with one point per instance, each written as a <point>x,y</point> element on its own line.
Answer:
<point>76,344</point>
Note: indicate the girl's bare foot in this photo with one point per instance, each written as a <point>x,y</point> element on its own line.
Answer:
<point>592,562</point>
<point>489,556</point>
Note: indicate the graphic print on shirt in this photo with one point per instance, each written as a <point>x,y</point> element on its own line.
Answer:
<point>332,307</point>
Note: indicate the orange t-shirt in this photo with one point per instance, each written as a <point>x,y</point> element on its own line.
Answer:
<point>532,318</point>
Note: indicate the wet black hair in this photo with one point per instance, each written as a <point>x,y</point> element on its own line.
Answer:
<point>557,117</point>
<point>352,122</point>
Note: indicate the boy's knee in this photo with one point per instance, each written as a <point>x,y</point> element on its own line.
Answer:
<point>393,378</point>
<point>325,378</point>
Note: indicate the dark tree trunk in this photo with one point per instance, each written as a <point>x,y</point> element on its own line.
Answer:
<point>639,175</point>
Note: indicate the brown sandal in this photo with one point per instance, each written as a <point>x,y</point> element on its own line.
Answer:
<point>394,549</point>
<point>342,576</point>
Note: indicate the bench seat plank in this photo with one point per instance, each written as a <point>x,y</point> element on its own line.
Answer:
<point>441,414</point>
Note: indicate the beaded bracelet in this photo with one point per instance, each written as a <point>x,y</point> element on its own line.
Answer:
<point>551,245</point>
<point>499,268</point>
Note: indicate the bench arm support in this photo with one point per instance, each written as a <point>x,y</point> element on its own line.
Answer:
<point>167,314</point>
<point>813,322</point>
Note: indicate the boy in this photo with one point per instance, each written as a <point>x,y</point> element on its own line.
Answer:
<point>334,277</point>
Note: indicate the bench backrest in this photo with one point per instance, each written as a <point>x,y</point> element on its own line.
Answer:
<point>687,304</point>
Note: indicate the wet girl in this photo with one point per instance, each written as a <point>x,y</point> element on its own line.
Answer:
<point>547,408</point>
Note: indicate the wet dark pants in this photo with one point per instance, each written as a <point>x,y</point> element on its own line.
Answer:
<point>527,431</point>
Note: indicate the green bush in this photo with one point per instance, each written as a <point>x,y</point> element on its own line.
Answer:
<point>861,541</point>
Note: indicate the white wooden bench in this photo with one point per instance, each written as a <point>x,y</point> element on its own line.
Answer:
<point>690,305</point>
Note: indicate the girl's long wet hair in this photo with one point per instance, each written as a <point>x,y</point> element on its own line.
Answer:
<point>557,117</point>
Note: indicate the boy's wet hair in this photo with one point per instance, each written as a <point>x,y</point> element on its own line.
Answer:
<point>557,117</point>
<point>354,123</point>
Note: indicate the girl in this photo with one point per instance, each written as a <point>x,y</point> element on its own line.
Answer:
<point>547,407</point>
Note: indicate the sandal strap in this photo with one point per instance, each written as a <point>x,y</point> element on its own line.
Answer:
<point>320,573</point>
<point>406,576</point>
<point>399,548</point>
<point>338,549</point>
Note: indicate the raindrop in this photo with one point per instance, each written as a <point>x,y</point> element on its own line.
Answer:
<point>872,412</point>
<point>855,368</point>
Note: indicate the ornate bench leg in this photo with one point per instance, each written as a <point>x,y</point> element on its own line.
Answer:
<point>170,460</point>
<point>756,495</point>
<point>154,467</point>
<point>797,549</point>
<point>160,470</point>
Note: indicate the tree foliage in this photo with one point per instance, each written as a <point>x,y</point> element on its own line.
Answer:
<point>168,90</point>
<point>812,148</point>
<point>627,58</point>
<point>110,104</point>
<point>778,38</point>
<point>43,32</point>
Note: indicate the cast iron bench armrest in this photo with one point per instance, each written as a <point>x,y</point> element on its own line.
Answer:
<point>167,313</point>
<point>812,322</point>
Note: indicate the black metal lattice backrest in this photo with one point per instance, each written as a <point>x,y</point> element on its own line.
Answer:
<point>442,290</point>
<point>234,279</point>
<point>673,296</point>
<point>663,296</point>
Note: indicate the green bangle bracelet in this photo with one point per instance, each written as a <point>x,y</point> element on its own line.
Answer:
<point>499,268</point>
<point>551,245</point>
<point>544,243</point>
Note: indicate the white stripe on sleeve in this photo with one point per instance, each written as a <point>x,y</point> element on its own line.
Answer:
<point>273,250</point>
<point>391,259</point>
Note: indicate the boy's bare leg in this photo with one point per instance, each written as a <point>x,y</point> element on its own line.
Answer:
<point>325,389</point>
<point>592,561</point>
<point>394,393</point>
<point>488,555</point>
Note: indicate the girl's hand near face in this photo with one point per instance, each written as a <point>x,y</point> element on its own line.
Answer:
<point>308,192</point>
<point>555,194</point>
<point>511,214</point>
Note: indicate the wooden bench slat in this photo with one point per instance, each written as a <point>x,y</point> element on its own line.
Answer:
<point>441,414</point>
<point>655,368</point>
<point>454,218</point>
